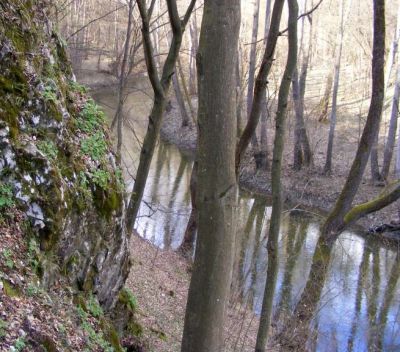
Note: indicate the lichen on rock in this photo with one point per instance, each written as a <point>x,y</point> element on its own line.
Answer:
<point>73,200</point>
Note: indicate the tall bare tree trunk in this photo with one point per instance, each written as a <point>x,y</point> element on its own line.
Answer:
<point>264,153</point>
<point>194,45</point>
<point>122,82</point>
<point>280,121</point>
<point>388,152</point>
<point>335,221</point>
<point>161,89</point>
<point>180,101</point>
<point>261,83</point>
<point>217,186</point>
<point>332,126</point>
<point>191,228</point>
<point>252,65</point>
<point>302,150</point>
<point>325,100</point>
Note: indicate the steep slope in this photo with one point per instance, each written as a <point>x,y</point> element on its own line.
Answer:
<point>59,186</point>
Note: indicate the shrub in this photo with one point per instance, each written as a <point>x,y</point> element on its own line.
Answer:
<point>94,146</point>
<point>6,196</point>
<point>91,117</point>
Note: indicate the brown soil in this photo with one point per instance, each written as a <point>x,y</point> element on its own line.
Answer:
<point>160,281</point>
<point>29,315</point>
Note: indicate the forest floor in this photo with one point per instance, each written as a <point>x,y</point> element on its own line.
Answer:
<point>160,280</point>
<point>308,188</point>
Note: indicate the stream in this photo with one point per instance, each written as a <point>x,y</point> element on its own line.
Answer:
<point>359,306</point>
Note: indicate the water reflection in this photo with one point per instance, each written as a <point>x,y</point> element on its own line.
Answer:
<point>339,298</point>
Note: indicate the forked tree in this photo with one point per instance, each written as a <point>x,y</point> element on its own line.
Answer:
<point>343,214</point>
<point>160,87</point>
<point>280,127</point>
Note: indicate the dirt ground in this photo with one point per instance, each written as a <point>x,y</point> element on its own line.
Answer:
<point>160,281</point>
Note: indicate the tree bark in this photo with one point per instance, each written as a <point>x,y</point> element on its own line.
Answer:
<point>333,115</point>
<point>325,100</point>
<point>252,66</point>
<point>190,233</point>
<point>261,83</point>
<point>180,101</point>
<point>388,152</point>
<point>217,186</point>
<point>335,221</point>
<point>122,82</point>
<point>280,121</point>
<point>302,151</point>
<point>160,88</point>
<point>264,153</point>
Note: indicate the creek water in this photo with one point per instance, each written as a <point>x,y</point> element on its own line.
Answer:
<point>359,306</point>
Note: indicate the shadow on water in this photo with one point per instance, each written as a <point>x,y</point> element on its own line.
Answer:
<point>339,298</point>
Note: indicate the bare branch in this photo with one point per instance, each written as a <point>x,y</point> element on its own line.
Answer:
<point>92,21</point>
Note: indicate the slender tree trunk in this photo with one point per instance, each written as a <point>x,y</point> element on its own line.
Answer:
<point>374,162</point>
<point>272,245</point>
<point>325,100</point>
<point>161,89</point>
<point>299,123</point>
<point>180,101</point>
<point>190,233</point>
<point>302,151</point>
<point>193,51</point>
<point>252,65</point>
<point>375,174</point>
<point>122,82</point>
<point>393,51</point>
<point>217,186</point>
<point>388,152</point>
<point>332,126</point>
<point>264,153</point>
<point>261,83</point>
<point>335,221</point>
<point>192,112</point>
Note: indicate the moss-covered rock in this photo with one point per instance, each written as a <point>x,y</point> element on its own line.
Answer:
<point>71,195</point>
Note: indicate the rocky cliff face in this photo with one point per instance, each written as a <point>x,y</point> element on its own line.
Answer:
<point>56,164</point>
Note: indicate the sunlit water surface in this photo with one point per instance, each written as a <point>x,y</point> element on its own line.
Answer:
<point>359,305</point>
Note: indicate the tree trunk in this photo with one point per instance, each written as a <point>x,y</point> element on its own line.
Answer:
<point>332,126</point>
<point>190,233</point>
<point>302,152</point>
<point>264,153</point>
<point>193,51</point>
<point>393,51</point>
<point>161,89</point>
<point>335,221</point>
<point>252,66</point>
<point>261,83</point>
<point>180,101</point>
<point>388,152</point>
<point>272,245</point>
<point>325,100</point>
<point>374,162</point>
<point>122,82</point>
<point>192,112</point>
<point>217,186</point>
